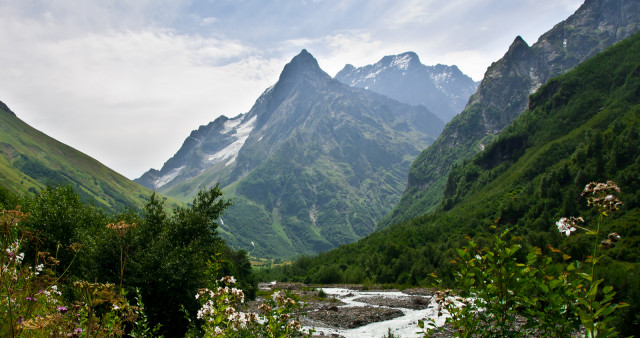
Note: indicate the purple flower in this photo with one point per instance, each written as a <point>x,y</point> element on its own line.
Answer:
<point>28,298</point>
<point>77,330</point>
<point>63,309</point>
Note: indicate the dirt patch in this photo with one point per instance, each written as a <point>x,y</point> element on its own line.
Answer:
<point>409,302</point>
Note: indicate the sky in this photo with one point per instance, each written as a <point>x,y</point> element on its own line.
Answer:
<point>126,81</point>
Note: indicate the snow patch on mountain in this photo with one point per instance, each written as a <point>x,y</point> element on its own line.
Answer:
<point>230,152</point>
<point>168,177</point>
<point>401,62</point>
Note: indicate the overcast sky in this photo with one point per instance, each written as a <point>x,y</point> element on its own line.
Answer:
<point>125,81</point>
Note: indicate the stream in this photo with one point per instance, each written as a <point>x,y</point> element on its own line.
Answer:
<point>404,306</point>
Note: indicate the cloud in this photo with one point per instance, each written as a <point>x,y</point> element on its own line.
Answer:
<point>208,21</point>
<point>128,98</point>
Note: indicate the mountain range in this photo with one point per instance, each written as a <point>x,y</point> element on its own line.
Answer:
<point>503,95</point>
<point>314,164</point>
<point>443,89</point>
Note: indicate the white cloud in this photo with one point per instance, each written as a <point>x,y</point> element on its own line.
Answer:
<point>128,98</point>
<point>208,21</point>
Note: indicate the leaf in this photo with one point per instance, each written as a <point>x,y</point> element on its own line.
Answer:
<point>565,257</point>
<point>585,276</point>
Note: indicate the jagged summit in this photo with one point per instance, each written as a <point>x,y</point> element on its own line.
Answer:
<point>303,65</point>
<point>517,47</point>
<point>401,61</point>
<point>444,90</point>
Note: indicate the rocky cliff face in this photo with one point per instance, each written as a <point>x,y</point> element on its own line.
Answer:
<point>503,94</point>
<point>443,89</point>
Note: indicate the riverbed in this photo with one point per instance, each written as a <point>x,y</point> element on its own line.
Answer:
<point>380,312</point>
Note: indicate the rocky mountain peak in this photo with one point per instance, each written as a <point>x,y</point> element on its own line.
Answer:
<point>518,48</point>
<point>303,65</point>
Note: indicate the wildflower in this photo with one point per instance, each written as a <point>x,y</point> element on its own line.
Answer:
<point>279,297</point>
<point>121,228</point>
<point>228,280</point>
<point>614,237</point>
<point>218,331</point>
<point>565,225</point>
<point>62,309</point>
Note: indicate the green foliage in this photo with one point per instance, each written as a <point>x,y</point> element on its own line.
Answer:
<point>163,255</point>
<point>32,304</point>
<point>493,287</point>
<point>527,179</point>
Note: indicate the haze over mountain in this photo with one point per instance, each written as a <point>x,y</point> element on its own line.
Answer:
<point>503,94</point>
<point>314,164</point>
<point>444,90</point>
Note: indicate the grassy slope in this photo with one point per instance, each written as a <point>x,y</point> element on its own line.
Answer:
<point>29,159</point>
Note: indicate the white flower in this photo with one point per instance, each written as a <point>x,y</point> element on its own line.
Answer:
<point>564,225</point>
<point>228,280</point>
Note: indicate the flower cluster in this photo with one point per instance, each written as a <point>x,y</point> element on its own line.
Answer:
<point>610,241</point>
<point>602,195</point>
<point>220,309</point>
<point>222,316</point>
<point>121,228</point>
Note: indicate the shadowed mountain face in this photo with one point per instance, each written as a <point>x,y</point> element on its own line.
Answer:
<point>444,90</point>
<point>314,164</point>
<point>504,91</point>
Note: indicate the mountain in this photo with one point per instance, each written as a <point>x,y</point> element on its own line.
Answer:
<point>314,164</point>
<point>30,160</point>
<point>444,90</point>
<point>580,127</point>
<point>503,95</point>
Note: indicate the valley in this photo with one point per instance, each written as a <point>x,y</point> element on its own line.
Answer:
<point>392,199</point>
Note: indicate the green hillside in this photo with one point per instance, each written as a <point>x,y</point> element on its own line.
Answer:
<point>31,160</point>
<point>581,127</point>
<point>504,93</point>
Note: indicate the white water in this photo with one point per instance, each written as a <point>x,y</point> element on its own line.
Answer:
<point>404,326</point>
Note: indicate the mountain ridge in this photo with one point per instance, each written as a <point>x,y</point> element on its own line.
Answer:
<point>30,160</point>
<point>503,94</point>
<point>443,89</point>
